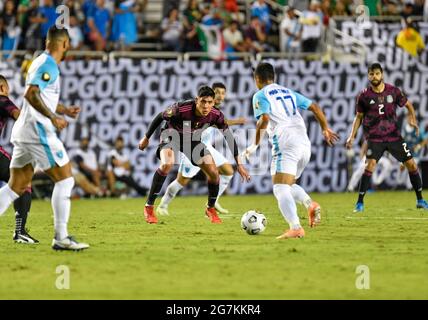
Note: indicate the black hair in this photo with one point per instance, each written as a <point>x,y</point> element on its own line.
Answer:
<point>3,79</point>
<point>218,85</point>
<point>119,138</point>
<point>206,91</point>
<point>265,72</point>
<point>56,33</point>
<point>375,66</point>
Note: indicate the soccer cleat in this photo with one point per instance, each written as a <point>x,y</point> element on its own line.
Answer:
<point>69,243</point>
<point>220,209</point>
<point>290,234</point>
<point>422,204</point>
<point>150,215</point>
<point>24,237</point>
<point>212,214</point>
<point>359,207</point>
<point>314,214</point>
<point>163,211</point>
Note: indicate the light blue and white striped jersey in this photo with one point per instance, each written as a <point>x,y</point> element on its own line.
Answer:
<point>282,105</point>
<point>32,126</point>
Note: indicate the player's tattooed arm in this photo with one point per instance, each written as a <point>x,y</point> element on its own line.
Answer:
<point>355,126</point>
<point>330,136</point>
<point>411,116</point>
<point>33,97</point>
<point>72,111</point>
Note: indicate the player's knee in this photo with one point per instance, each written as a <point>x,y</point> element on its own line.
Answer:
<point>371,165</point>
<point>166,167</point>
<point>411,166</point>
<point>65,185</point>
<point>213,176</point>
<point>227,170</point>
<point>182,180</point>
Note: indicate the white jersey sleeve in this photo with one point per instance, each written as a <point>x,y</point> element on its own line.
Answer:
<point>32,126</point>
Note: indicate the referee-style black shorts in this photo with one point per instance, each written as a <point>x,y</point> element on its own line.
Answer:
<point>398,149</point>
<point>4,167</point>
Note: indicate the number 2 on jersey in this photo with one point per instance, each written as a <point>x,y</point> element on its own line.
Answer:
<point>381,106</point>
<point>286,104</point>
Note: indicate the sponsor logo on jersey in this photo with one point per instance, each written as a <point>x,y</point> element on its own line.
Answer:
<point>46,77</point>
<point>372,101</point>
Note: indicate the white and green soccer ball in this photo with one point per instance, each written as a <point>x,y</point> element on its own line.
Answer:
<point>253,222</point>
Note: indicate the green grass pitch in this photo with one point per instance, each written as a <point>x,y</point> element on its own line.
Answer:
<point>186,257</point>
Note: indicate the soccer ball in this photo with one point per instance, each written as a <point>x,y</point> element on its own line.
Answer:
<point>253,222</point>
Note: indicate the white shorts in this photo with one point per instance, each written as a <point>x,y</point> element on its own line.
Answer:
<point>188,170</point>
<point>42,156</point>
<point>289,156</point>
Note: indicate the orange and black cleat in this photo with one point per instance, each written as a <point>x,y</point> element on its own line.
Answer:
<point>211,213</point>
<point>149,214</point>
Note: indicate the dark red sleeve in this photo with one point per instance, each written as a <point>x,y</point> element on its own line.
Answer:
<point>221,122</point>
<point>10,107</point>
<point>171,113</point>
<point>359,103</point>
<point>400,98</point>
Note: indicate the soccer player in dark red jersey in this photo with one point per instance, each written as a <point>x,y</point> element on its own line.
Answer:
<point>185,122</point>
<point>23,203</point>
<point>376,110</point>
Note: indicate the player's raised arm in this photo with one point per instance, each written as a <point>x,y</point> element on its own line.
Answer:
<point>355,126</point>
<point>33,97</point>
<point>330,136</point>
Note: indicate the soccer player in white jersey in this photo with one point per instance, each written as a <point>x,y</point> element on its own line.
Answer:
<point>187,170</point>
<point>36,142</point>
<point>276,109</point>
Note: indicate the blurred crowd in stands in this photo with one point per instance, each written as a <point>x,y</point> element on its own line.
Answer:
<point>189,25</point>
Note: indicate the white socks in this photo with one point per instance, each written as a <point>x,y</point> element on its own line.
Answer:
<point>224,182</point>
<point>172,190</point>
<point>300,196</point>
<point>7,196</point>
<point>287,205</point>
<point>174,187</point>
<point>61,206</point>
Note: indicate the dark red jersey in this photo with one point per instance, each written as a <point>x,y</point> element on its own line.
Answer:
<point>6,109</point>
<point>181,116</point>
<point>380,122</point>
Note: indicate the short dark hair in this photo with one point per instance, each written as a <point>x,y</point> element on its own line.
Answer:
<point>218,85</point>
<point>3,79</point>
<point>55,33</point>
<point>375,66</point>
<point>265,71</point>
<point>206,91</point>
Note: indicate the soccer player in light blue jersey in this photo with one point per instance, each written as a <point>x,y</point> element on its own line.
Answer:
<point>36,142</point>
<point>277,110</point>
